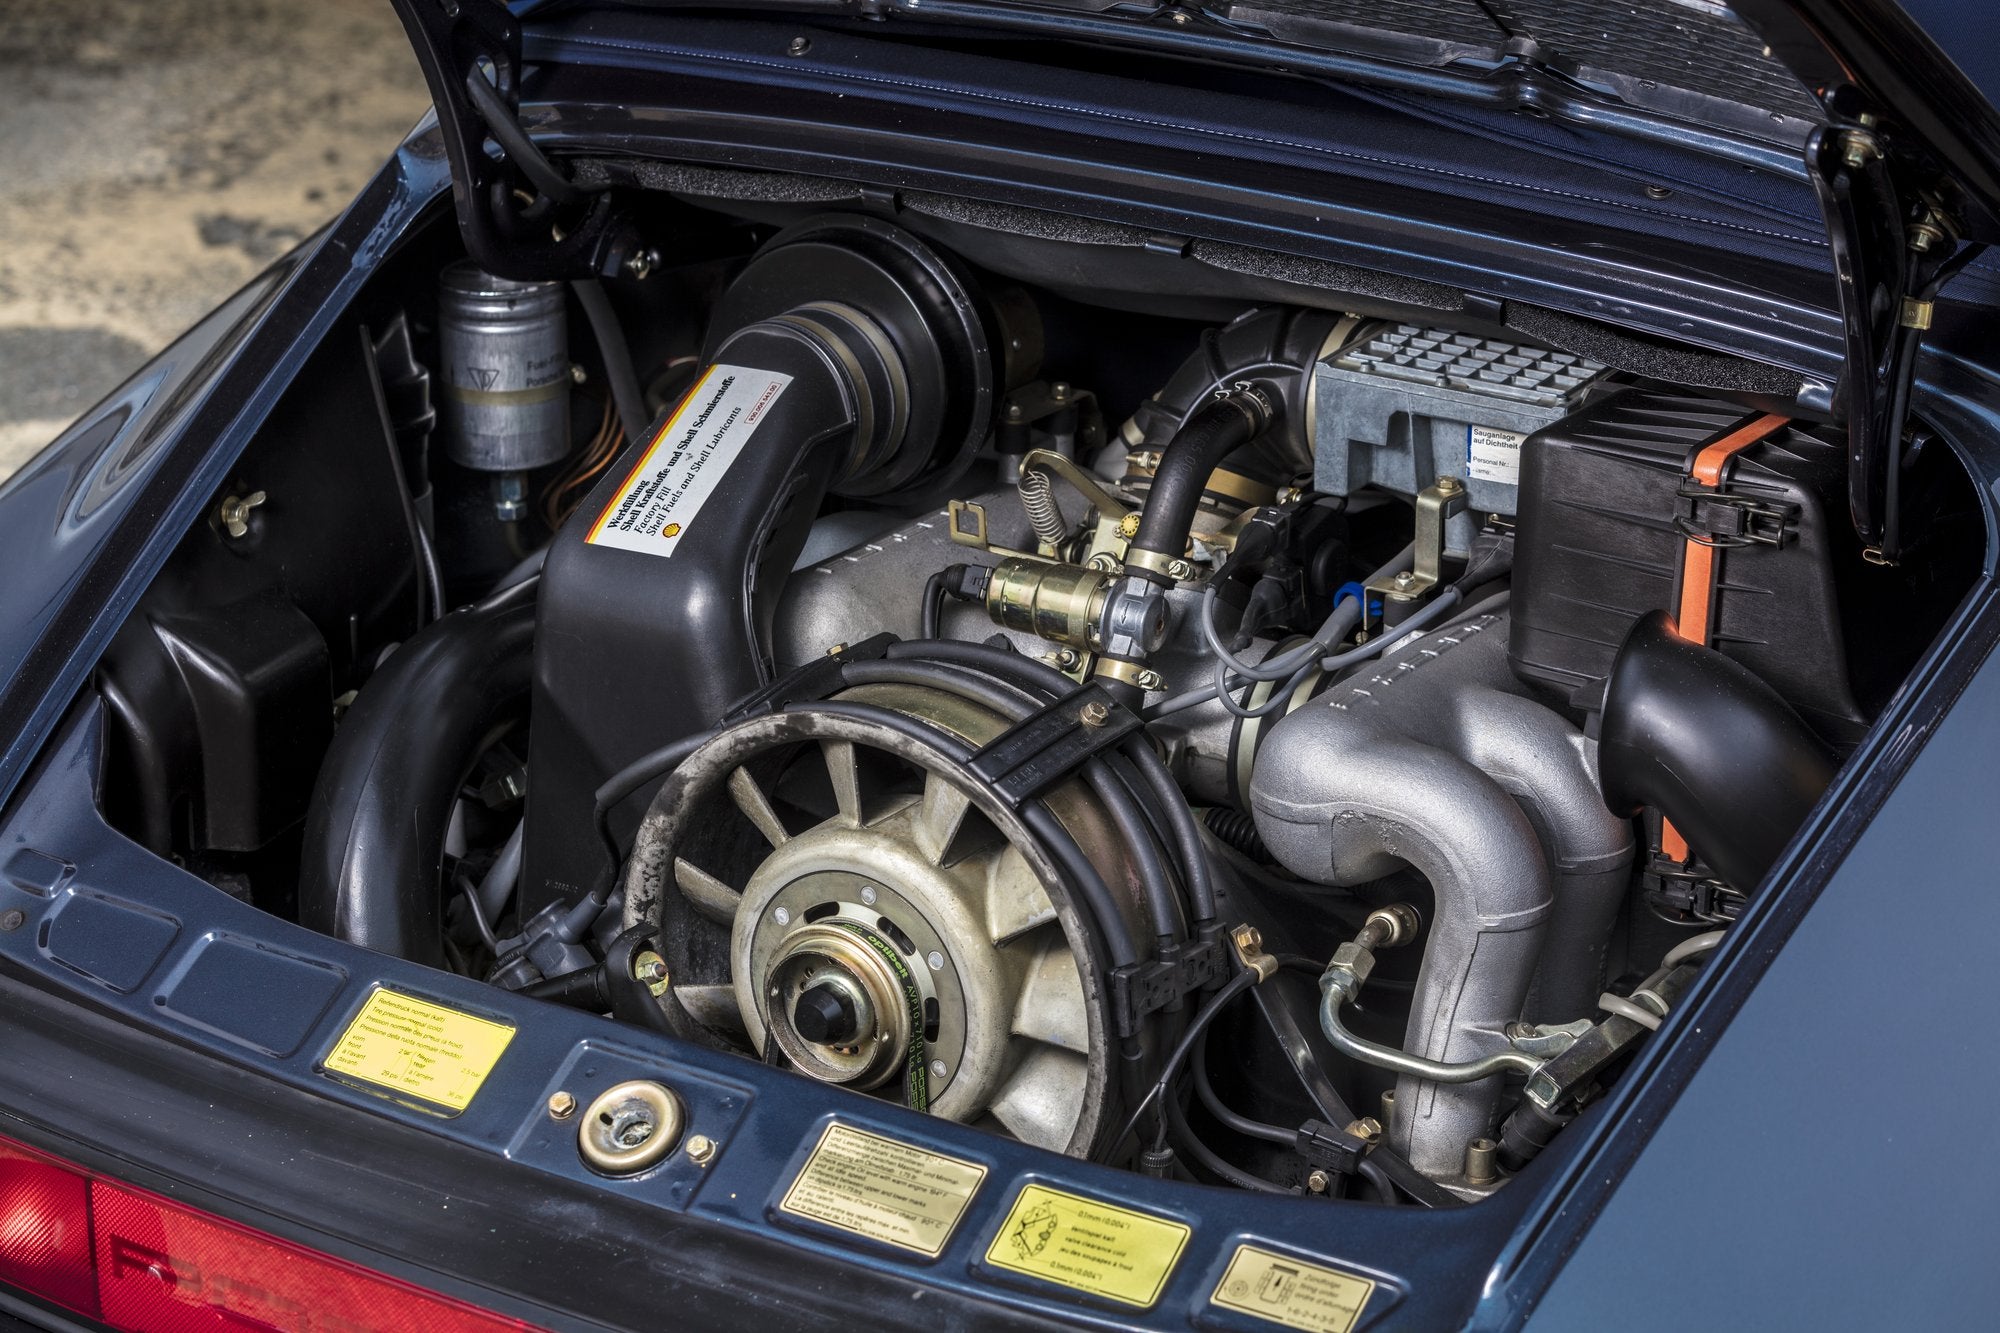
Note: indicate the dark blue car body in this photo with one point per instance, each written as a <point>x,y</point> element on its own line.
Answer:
<point>1802,1145</point>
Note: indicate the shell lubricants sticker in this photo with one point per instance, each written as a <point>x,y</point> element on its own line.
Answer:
<point>1089,1245</point>
<point>409,1045</point>
<point>883,1189</point>
<point>656,504</point>
<point>1289,1291</point>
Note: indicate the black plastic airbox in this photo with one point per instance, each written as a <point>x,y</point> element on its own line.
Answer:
<point>1607,511</point>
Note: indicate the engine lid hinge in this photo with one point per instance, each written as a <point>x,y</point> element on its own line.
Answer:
<point>519,214</point>
<point>1895,243</point>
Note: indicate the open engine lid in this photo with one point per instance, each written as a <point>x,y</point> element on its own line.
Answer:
<point>1902,148</point>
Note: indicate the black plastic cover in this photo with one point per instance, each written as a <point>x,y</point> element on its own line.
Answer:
<point>1606,511</point>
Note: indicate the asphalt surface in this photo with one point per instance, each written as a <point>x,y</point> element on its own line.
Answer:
<point>154,155</point>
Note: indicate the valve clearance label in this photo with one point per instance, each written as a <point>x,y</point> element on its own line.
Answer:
<point>885,1190</point>
<point>409,1045</point>
<point>1292,1292</point>
<point>1092,1246</point>
<point>688,456</point>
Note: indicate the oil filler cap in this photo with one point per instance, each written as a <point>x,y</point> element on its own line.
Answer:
<point>630,1127</point>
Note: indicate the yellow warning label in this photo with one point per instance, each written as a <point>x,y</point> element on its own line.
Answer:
<point>1292,1292</point>
<point>414,1046</point>
<point>1090,1245</point>
<point>883,1189</point>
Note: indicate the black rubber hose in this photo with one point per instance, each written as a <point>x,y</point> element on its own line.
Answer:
<point>626,395</point>
<point>1216,430</point>
<point>506,130</point>
<point>1093,895</point>
<point>1013,704</point>
<point>1184,1135</point>
<point>1701,739</point>
<point>1167,802</point>
<point>372,867</point>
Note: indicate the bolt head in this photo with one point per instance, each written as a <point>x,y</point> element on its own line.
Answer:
<point>1093,714</point>
<point>798,46</point>
<point>651,970</point>
<point>640,265</point>
<point>1178,19</point>
<point>700,1149</point>
<point>1317,1181</point>
<point>1448,485</point>
<point>562,1105</point>
<point>1405,579</point>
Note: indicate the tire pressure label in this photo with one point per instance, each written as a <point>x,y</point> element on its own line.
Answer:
<point>885,1190</point>
<point>1292,1292</point>
<point>1493,455</point>
<point>1090,1245</point>
<point>409,1045</point>
<point>686,459</point>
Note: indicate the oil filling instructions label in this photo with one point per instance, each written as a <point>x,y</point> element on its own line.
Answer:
<point>1092,1246</point>
<point>1493,455</point>
<point>1292,1292</point>
<point>884,1190</point>
<point>409,1045</point>
<point>688,456</point>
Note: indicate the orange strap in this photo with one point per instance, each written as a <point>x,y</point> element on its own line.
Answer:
<point>1702,563</point>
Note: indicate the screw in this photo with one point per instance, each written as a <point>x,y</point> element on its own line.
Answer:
<point>1368,1127</point>
<point>836,650</point>
<point>1179,569</point>
<point>1448,485</point>
<point>12,919</point>
<point>577,374</point>
<point>561,1105</point>
<point>1658,192</point>
<point>1317,1181</point>
<point>1059,391</point>
<point>1014,412</point>
<point>1093,714</point>
<point>640,264</point>
<point>1066,658</point>
<point>781,916</point>
<point>936,960</point>
<point>868,894</point>
<point>234,515</point>
<point>701,1149</point>
<point>1858,148</point>
<point>1406,580</point>
<point>1151,680</point>
<point>798,46</point>
<point>938,1068</point>
<point>1178,19</point>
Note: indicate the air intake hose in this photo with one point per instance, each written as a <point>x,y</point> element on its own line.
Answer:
<point>1698,737</point>
<point>374,843</point>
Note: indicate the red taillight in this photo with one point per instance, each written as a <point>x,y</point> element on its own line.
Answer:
<point>138,1261</point>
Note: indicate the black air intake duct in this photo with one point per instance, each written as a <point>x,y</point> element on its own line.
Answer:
<point>1699,738</point>
<point>847,357</point>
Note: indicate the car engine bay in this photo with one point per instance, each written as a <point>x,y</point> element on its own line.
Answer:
<point>1247,732</point>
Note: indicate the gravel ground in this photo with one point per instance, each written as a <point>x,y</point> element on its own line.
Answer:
<point>155,154</point>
